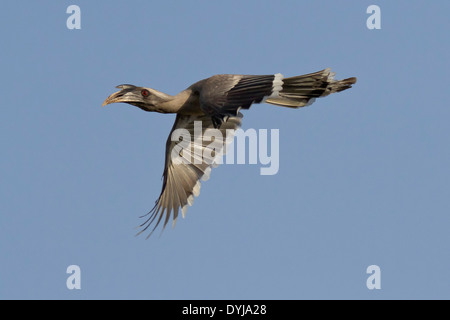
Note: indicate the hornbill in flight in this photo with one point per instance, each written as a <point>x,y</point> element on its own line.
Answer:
<point>216,103</point>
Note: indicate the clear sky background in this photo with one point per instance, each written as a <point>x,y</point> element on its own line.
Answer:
<point>364,174</point>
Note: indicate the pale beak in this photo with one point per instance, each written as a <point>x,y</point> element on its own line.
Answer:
<point>115,97</point>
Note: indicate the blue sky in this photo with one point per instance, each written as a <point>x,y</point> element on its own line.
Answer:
<point>364,174</point>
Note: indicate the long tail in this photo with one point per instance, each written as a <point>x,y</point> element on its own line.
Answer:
<point>302,90</point>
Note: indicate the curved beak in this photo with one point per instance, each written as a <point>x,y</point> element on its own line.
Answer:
<point>113,98</point>
<point>120,96</point>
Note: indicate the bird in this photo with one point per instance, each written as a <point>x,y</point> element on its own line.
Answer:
<point>215,103</point>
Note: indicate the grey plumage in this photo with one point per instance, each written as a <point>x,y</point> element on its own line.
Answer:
<point>215,102</point>
<point>181,182</point>
<point>223,95</point>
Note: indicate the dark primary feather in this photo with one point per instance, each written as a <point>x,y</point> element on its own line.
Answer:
<point>224,95</point>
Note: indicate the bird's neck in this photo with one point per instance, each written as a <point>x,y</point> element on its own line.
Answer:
<point>181,101</point>
<point>163,104</point>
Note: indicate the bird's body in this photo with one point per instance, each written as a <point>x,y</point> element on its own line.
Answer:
<point>216,102</point>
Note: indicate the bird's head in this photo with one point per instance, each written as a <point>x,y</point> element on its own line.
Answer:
<point>145,98</point>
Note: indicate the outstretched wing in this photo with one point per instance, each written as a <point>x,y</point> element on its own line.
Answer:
<point>224,95</point>
<point>192,148</point>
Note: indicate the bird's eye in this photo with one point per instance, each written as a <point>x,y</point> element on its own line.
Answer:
<point>145,93</point>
